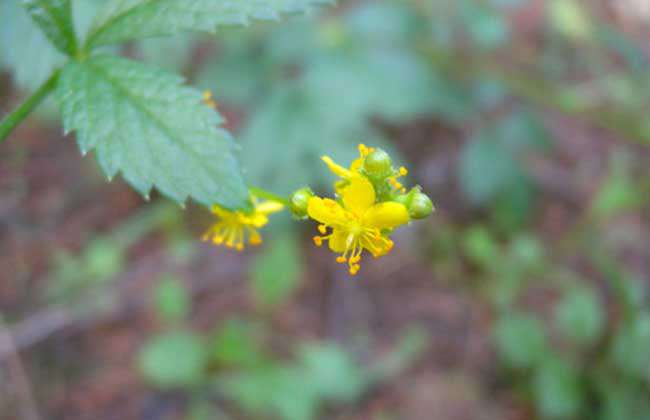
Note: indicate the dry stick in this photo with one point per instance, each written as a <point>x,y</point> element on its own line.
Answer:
<point>28,408</point>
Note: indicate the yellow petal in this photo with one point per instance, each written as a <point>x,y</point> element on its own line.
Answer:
<point>258,220</point>
<point>356,164</point>
<point>326,211</point>
<point>386,215</point>
<point>268,207</point>
<point>359,196</point>
<point>336,168</point>
<point>338,241</point>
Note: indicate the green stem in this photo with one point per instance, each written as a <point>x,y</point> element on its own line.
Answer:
<point>262,193</point>
<point>11,121</point>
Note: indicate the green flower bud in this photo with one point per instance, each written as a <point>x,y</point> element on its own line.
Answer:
<point>420,206</point>
<point>378,164</point>
<point>299,200</point>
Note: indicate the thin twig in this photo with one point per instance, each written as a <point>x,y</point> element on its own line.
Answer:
<point>28,408</point>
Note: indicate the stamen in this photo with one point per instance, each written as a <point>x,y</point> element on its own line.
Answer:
<point>341,259</point>
<point>322,229</point>
<point>318,240</point>
<point>403,171</point>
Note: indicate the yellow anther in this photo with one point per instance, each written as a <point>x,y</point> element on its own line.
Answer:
<point>354,270</point>
<point>403,171</point>
<point>341,259</point>
<point>322,229</point>
<point>318,240</point>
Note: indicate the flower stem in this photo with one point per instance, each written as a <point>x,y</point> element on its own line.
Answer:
<point>11,121</point>
<point>262,193</point>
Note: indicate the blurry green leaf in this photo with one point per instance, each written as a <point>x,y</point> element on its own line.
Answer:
<point>170,53</point>
<point>520,340</point>
<point>514,206</point>
<point>175,359</point>
<point>623,401</point>
<point>383,23</point>
<point>486,168</point>
<point>236,344</point>
<point>291,120</point>
<point>103,259</point>
<point>332,372</point>
<point>631,348</point>
<point>144,123</point>
<point>580,316</point>
<point>172,300</point>
<point>487,28</point>
<point>480,247</point>
<point>54,17</point>
<point>557,389</point>
<point>619,192</point>
<point>280,391</point>
<point>569,18</point>
<point>527,251</point>
<point>275,272</point>
<point>132,19</point>
<point>24,49</point>
<point>522,131</point>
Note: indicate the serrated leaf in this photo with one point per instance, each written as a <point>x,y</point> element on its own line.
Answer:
<point>24,50</point>
<point>54,17</point>
<point>124,20</point>
<point>143,122</point>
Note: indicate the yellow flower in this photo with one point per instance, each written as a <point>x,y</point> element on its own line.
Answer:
<point>358,223</point>
<point>234,227</point>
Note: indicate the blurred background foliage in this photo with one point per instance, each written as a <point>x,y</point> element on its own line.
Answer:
<point>524,297</point>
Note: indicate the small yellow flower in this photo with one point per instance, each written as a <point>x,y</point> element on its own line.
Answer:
<point>234,227</point>
<point>358,223</point>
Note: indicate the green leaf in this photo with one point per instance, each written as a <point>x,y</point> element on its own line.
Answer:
<point>236,344</point>
<point>480,247</point>
<point>54,17</point>
<point>173,360</point>
<point>123,20</point>
<point>619,192</point>
<point>143,122</point>
<point>631,349</point>
<point>486,169</point>
<point>275,272</point>
<point>520,340</point>
<point>282,391</point>
<point>332,372</point>
<point>580,316</point>
<point>24,50</point>
<point>172,300</point>
<point>557,389</point>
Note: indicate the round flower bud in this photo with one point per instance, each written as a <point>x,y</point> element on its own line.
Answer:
<point>420,206</point>
<point>299,200</point>
<point>377,164</point>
